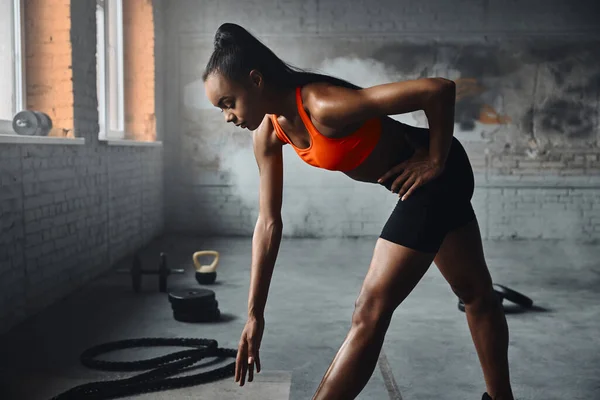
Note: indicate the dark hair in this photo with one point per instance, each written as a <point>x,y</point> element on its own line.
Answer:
<point>237,52</point>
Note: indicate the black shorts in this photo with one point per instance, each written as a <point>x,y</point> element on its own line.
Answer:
<point>422,221</point>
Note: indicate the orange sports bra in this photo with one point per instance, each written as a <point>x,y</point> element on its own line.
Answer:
<point>335,154</point>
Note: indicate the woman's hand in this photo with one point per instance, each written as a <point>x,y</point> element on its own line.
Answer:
<point>248,349</point>
<point>414,172</point>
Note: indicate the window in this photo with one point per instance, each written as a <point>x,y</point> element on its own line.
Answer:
<point>109,56</point>
<point>125,70</point>
<point>12,80</point>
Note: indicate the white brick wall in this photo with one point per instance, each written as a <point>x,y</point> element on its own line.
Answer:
<point>212,177</point>
<point>543,213</point>
<point>68,212</point>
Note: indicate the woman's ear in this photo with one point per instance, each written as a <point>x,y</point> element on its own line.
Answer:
<point>256,79</point>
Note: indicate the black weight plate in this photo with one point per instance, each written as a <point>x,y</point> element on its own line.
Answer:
<point>208,313</point>
<point>196,307</point>
<point>202,315</point>
<point>514,296</point>
<point>194,310</point>
<point>187,317</point>
<point>499,294</point>
<point>189,293</point>
<point>45,123</point>
<point>191,296</point>
<point>193,305</point>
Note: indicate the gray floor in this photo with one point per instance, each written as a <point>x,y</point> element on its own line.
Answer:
<point>554,351</point>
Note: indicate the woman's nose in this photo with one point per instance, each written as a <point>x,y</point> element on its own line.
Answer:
<point>229,117</point>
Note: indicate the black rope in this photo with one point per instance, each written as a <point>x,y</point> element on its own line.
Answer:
<point>156,379</point>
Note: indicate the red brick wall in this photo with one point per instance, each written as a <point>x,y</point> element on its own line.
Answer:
<point>138,42</point>
<point>48,70</point>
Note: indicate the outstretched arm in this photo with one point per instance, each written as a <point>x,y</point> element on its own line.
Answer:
<point>265,246</point>
<point>336,106</point>
<point>269,226</point>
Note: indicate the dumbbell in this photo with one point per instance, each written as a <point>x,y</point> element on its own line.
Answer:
<point>32,123</point>
<point>163,273</point>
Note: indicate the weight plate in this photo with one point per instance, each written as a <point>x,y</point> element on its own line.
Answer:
<point>514,296</point>
<point>188,317</point>
<point>202,313</point>
<point>45,123</point>
<point>191,297</point>
<point>193,304</point>
<point>500,295</point>
<point>26,123</point>
<point>209,306</point>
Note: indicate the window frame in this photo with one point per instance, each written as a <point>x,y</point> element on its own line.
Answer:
<point>18,55</point>
<point>110,69</point>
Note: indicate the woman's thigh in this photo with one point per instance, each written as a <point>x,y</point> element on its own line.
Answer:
<point>393,273</point>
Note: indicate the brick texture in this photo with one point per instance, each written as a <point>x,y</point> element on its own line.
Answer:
<point>138,43</point>
<point>48,62</point>
<point>67,213</point>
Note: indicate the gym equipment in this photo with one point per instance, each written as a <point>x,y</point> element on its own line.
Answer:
<point>210,316</point>
<point>194,305</point>
<point>163,272</point>
<point>514,296</point>
<point>191,297</point>
<point>504,292</point>
<point>157,379</point>
<point>32,123</point>
<point>206,274</point>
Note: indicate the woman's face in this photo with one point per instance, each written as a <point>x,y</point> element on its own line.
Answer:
<point>240,103</point>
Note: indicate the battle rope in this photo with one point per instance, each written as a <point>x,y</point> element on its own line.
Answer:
<point>156,379</point>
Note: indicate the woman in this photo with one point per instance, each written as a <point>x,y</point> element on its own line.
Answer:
<point>335,125</point>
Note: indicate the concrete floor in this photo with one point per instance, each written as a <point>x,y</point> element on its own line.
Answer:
<point>554,350</point>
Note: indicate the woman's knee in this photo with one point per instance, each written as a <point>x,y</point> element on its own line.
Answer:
<point>478,298</point>
<point>371,310</point>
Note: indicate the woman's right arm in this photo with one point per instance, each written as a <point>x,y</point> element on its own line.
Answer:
<point>269,226</point>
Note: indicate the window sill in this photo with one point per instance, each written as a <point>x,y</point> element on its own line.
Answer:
<point>21,139</point>
<point>126,142</point>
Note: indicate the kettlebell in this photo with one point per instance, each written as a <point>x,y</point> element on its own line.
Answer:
<point>206,274</point>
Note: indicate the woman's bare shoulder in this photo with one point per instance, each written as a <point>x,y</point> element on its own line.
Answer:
<point>264,137</point>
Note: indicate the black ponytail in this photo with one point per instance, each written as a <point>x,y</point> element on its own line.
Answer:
<point>237,52</point>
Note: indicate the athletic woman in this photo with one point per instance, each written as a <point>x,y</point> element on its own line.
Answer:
<point>335,125</point>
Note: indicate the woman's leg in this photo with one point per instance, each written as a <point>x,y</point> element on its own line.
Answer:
<point>394,272</point>
<point>461,261</point>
